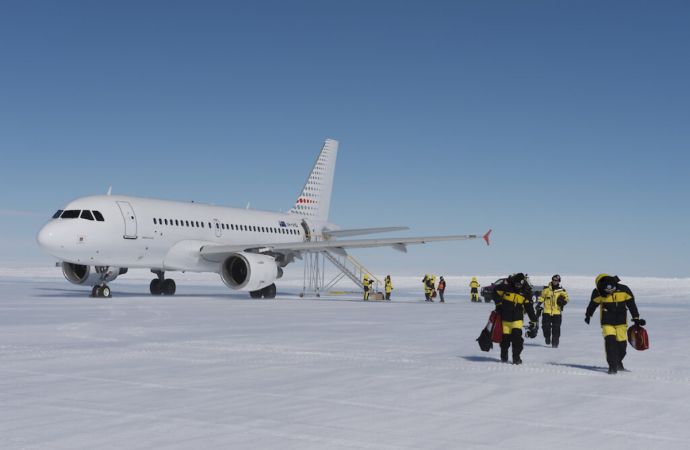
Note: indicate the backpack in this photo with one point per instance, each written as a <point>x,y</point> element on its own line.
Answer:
<point>637,336</point>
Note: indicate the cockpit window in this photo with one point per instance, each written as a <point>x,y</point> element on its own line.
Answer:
<point>99,216</point>
<point>71,214</point>
<point>57,214</point>
<point>86,214</point>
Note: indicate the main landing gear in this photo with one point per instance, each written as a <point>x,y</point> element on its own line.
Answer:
<point>267,292</point>
<point>162,286</point>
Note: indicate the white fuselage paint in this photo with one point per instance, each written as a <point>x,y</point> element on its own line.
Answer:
<point>129,237</point>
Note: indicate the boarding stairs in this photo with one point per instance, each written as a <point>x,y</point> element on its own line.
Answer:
<point>315,276</point>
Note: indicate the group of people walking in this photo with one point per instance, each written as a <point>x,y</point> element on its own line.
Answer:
<point>514,298</point>
<point>430,288</point>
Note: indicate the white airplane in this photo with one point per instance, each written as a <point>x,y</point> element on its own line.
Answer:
<point>98,238</point>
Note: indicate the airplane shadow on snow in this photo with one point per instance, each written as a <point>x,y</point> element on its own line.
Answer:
<point>69,293</point>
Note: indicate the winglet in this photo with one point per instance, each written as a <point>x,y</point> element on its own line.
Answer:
<point>486,237</point>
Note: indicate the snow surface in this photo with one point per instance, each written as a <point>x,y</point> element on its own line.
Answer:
<point>212,368</point>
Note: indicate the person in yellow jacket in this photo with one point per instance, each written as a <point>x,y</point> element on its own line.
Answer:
<point>616,300</point>
<point>512,300</point>
<point>474,291</point>
<point>552,301</point>
<point>366,287</point>
<point>432,287</point>
<point>427,291</point>
<point>389,287</point>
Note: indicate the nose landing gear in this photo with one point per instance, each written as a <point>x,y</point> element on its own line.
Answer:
<point>162,286</point>
<point>101,291</point>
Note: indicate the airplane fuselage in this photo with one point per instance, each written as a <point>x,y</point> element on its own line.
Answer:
<point>136,232</point>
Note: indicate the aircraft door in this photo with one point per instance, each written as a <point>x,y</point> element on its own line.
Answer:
<point>308,230</point>
<point>216,223</point>
<point>130,220</point>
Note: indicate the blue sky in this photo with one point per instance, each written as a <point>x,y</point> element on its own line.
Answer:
<point>562,126</point>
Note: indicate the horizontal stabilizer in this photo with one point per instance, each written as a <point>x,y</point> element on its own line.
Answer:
<point>360,231</point>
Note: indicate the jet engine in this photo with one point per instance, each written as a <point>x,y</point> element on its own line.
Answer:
<point>88,275</point>
<point>249,271</point>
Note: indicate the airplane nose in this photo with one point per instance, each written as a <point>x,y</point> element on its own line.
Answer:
<point>46,239</point>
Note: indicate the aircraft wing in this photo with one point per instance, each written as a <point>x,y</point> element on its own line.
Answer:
<point>360,231</point>
<point>218,253</point>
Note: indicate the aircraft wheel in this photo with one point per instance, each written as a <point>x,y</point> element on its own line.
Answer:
<point>105,291</point>
<point>255,294</point>
<point>155,287</point>
<point>169,287</point>
<point>269,291</point>
<point>96,291</point>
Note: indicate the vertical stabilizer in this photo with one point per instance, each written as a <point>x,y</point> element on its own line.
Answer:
<point>315,199</point>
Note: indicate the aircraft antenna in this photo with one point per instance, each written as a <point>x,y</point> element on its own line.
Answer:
<point>110,189</point>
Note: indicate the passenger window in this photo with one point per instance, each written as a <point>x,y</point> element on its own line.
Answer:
<point>197,224</point>
<point>71,214</point>
<point>166,221</point>
<point>177,223</point>
<point>217,226</point>
<point>202,224</point>
<point>86,214</point>
<point>57,214</point>
<point>154,221</point>
<point>254,228</point>
<point>209,224</point>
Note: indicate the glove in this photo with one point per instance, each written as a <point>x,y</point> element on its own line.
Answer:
<point>640,322</point>
<point>540,308</point>
<point>560,301</point>
<point>499,308</point>
<point>587,319</point>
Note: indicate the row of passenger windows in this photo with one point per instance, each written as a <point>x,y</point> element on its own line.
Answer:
<point>78,214</point>
<point>225,226</point>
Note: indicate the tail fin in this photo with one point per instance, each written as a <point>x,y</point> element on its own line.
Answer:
<point>315,199</point>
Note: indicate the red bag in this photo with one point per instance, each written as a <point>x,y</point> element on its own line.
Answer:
<point>434,294</point>
<point>637,336</point>
<point>496,327</point>
<point>492,332</point>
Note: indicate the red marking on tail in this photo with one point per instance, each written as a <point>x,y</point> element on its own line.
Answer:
<point>486,237</point>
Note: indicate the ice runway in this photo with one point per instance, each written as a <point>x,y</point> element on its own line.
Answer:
<point>212,368</point>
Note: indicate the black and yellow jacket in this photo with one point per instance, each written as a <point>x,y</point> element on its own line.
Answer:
<point>513,302</point>
<point>389,285</point>
<point>614,307</point>
<point>549,297</point>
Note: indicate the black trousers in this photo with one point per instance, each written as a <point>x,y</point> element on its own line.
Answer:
<point>388,295</point>
<point>615,351</point>
<point>366,293</point>
<point>514,338</point>
<point>440,294</point>
<point>552,327</point>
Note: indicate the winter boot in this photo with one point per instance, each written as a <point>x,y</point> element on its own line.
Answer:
<point>548,340</point>
<point>517,361</point>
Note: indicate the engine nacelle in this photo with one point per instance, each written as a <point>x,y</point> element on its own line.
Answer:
<point>248,271</point>
<point>88,275</point>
